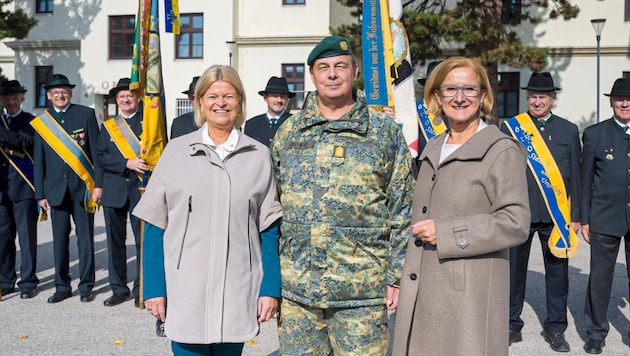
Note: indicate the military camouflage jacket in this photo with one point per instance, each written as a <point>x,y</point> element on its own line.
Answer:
<point>346,189</point>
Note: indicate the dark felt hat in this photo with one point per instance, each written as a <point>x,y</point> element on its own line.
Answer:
<point>620,88</point>
<point>191,87</point>
<point>277,85</point>
<point>330,46</point>
<point>123,84</point>
<point>541,81</point>
<point>430,69</point>
<point>58,80</point>
<point>11,87</point>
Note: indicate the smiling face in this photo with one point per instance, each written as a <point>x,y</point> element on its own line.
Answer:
<point>127,102</point>
<point>59,96</point>
<point>460,95</point>
<point>276,102</point>
<point>334,78</point>
<point>220,105</point>
<point>12,102</point>
<point>621,107</point>
<point>539,103</point>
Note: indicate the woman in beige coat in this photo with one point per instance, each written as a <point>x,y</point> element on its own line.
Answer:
<point>470,206</point>
<point>210,254</point>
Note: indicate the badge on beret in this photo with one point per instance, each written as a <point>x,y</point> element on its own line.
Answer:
<point>343,45</point>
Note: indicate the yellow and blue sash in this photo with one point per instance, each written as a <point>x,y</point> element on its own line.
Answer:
<point>563,242</point>
<point>124,138</point>
<point>21,161</point>
<point>69,151</point>
<point>425,119</point>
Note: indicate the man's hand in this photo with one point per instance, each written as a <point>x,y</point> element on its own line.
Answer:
<point>156,307</point>
<point>44,204</point>
<point>137,165</point>
<point>586,233</point>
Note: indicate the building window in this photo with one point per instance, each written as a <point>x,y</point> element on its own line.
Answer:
<point>627,12</point>
<point>42,76</point>
<point>293,2</point>
<point>189,42</point>
<point>44,6</point>
<point>183,106</point>
<point>626,75</point>
<point>122,32</point>
<point>508,94</point>
<point>294,74</point>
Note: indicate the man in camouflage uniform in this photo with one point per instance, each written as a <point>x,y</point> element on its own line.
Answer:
<point>345,183</point>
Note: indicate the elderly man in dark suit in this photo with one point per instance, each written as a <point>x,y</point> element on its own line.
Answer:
<point>185,123</point>
<point>18,208</point>
<point>118,156</point>
<point>605,213</point>
<point>263,127</point>
<point>563,141</point>
<point>65,148</point>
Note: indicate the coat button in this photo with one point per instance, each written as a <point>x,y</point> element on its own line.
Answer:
<point>418,242</point>
<point>413,276</point>
<point>424,210</point>
<point>433,177</point>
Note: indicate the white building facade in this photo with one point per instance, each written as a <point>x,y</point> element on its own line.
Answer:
<point>89,42</point>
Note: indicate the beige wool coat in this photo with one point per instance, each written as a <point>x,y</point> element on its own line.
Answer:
<point>454,297</point>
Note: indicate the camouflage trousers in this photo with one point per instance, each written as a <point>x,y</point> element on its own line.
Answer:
<point>305,330</point>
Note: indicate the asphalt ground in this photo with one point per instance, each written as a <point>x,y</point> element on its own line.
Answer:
<point>34,327</point>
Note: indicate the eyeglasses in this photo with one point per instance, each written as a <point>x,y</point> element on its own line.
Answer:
<point>226,97</point>
<point>59,92</point>
<point>469,91</point>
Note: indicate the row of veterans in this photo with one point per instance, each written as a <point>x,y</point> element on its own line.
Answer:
<point>69,194</point>
<point>326,221</point>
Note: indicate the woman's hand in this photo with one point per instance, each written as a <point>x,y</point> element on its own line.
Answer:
<point>425,231</point>
<point>267,308</point>
<point>157,307</point>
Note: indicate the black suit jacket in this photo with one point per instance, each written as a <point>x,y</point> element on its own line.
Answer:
<point>183,124</point>
<point>563,140</point>
<point>53,177</point>
<point>606,179</point>
<point>259,128</point>
<point>19,137</point>
<point>118,182</point>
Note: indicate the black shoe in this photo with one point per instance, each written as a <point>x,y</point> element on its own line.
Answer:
<point>59,296</point>
<point>6,291</point>
<point>27,293</point>
<point>556,341</point>
<point>136,301</point>
<point>87,297</point>
<point>594,346</point>
<point>116,299</point>
<point>515,336</point>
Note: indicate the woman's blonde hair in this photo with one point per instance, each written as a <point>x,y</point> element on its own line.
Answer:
<point>440,72</point>
<point>210,76</point>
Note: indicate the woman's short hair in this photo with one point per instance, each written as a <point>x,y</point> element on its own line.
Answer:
<point>443,69</point>
<point>210,76</point>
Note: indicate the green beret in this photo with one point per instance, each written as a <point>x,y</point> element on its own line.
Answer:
<point>330,46</point>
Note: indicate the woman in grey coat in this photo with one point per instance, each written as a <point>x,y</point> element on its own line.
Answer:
<point>210,253</point>
<point>470,206</point>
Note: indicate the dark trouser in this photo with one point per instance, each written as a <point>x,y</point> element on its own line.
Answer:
<point>84,224</point>
<point>604,250</point>
<point>20,217</point>
<point>116,227</point>
<point>556,281</point>
<point>181,349</point>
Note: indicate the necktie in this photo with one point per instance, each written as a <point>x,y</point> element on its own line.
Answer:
<point>8,119</point>
<point>273,121</point>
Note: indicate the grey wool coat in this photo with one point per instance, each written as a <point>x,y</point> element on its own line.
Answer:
<point>454,297</point>
<point>212,212</point>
